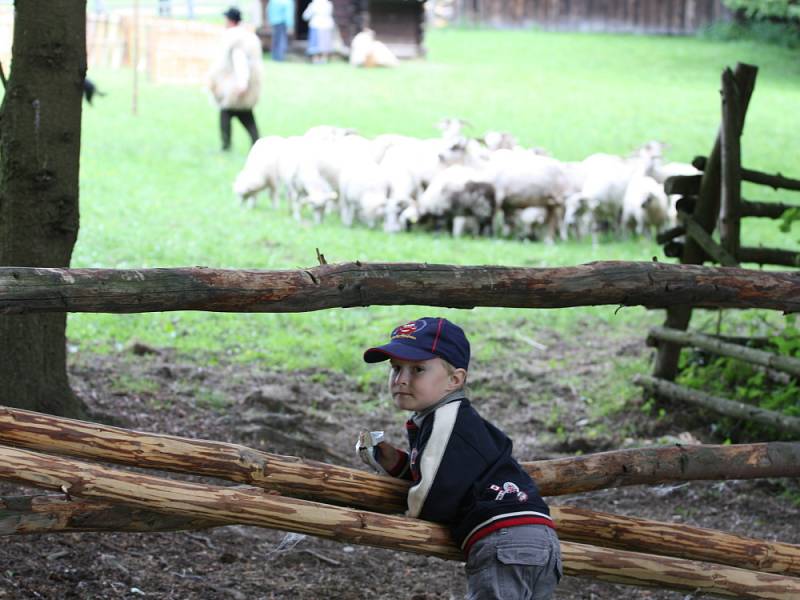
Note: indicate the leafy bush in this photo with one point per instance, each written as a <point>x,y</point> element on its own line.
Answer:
<point>736,380</point>
<point>779,34</point>
<point>766,9</point>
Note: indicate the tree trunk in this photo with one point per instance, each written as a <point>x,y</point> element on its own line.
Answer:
<point>251,506</point>
<point>40,135</point>
<point>651,284</point>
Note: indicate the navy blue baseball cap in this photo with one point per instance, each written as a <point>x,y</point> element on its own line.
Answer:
<point>233,13</point>
<point>424,339</point>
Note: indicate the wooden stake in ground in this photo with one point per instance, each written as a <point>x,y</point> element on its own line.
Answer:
<point>251,506</point>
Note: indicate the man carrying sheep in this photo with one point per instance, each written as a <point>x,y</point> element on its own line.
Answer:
<point>235,78</point>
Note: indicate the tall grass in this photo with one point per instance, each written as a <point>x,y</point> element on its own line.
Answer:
<point>156,190</point>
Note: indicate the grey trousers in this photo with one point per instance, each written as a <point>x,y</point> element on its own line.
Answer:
<point>517,563</point>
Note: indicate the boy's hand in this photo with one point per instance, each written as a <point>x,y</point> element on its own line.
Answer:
<point>367,449</point>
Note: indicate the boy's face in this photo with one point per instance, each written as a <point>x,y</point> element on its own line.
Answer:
<point>416,385</point>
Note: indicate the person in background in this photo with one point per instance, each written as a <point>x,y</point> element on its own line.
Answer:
<point>319,14</point>
<point>280,14</point>
<point>235,78</point>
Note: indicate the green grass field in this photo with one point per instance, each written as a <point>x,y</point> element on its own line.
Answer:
<point>156,190</point>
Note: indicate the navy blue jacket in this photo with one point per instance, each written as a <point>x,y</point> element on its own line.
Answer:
<point>464,475</point>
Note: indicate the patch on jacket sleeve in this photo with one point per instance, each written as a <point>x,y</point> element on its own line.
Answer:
<point>509,487</point>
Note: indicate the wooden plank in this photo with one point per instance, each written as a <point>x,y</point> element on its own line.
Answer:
<point>652,284</point>
<point>770,360</point>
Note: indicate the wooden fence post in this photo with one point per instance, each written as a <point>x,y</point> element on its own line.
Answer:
<point>705,213</point>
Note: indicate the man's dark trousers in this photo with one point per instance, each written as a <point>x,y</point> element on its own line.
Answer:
<point>245,117</point>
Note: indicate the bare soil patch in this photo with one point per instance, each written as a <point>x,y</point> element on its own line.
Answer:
<point>536,396</point>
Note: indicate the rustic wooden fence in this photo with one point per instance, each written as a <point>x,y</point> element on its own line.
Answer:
<point>709,199</point>
<point>630,16</point>
<point>99,498</point>
<point>43,451</point>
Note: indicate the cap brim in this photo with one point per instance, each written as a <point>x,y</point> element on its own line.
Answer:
<point>398,351</point>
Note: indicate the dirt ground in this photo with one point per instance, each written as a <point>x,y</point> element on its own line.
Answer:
<point>316,414</point>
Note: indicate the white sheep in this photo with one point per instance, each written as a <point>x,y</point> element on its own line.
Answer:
<point>604,179</point>
<point>455,195</point>
<point>413,165</point>
<point>366,51</point>
<point>646,206</point>
<point>363,191</point>
<point>521,179</point>
<point>260,171</point>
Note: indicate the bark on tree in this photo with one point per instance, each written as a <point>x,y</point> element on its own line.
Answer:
<point>40,135</point>
<point>649,284</point>
<point>251,506</point>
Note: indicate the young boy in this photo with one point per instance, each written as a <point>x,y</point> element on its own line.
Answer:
<point>461,467</point>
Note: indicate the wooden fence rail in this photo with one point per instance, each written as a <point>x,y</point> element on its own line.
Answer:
<point>651,284</point>
<point>342,485</point>
<point>246,505</point>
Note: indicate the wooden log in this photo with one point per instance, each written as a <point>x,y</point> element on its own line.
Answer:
<point>59,514</point>
<point>285,474</point>
<point>731,165</point>
<point>675,539</point>
<point>786,364</point>
<point>652,284</point>
<point>769,210</point>
<point>706,242</point>
<point>719,405</point>
<point>250,506</point>
<point>340,485</point>
<point>776,181</point>
<point>651,466</point>
<point>770,256</point>
<point>685,185</point>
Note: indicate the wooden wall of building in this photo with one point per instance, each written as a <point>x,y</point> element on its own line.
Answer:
<point>635,16</point>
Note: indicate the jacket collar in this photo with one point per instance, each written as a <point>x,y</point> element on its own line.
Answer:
<point>419,417</point>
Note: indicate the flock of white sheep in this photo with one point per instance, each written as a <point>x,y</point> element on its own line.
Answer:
<point>489,185</point>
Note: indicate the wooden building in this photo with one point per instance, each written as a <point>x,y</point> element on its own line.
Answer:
<point>612,16</point>
<point>397,23</point>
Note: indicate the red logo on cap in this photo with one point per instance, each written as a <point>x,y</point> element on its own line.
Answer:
<point>406,329</point>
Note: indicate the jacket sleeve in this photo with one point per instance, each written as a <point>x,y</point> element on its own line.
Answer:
<point>401,467</point>
<point>448,468</point>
